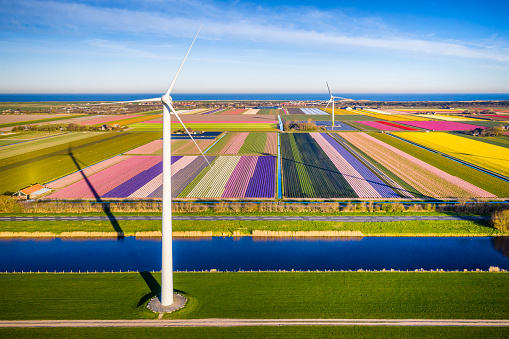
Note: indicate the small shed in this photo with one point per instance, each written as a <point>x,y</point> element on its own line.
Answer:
<point>32,191</point>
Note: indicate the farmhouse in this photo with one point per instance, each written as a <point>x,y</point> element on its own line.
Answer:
<point>32,191</point>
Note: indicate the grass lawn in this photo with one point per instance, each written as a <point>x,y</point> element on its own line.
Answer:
<point>222,227</point>
<point>261,332</point>
<point>340,295</point>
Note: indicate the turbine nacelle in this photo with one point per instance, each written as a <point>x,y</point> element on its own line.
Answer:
<point>166,99</point>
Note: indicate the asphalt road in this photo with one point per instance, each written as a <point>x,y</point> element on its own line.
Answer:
<point>353,218</point>
<point>254,322</point>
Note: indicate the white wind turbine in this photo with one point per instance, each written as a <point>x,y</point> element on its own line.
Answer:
<point>331,100</point>
<point>167,240</point>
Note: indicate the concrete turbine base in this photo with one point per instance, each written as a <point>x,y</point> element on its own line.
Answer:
<point>155,305</point>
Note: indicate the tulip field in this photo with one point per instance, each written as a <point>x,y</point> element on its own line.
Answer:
<point>317,166</point>
<point>491,157</point>
<point>423,177</point>
<point>440,125</point>
<point>246,143</point>
<point>140,177</point>
<point>386,126</point>
<point>235,177</point>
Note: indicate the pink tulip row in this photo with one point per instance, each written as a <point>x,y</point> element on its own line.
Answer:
<point>271,144</point>
<point>104,181</point>
<point>427,179</point>
<point>359,184</point>
<point>108,119</point>
<point>235,143</point>
<point>149,148</point>
<point>440,125</point>
<point>77,176</point>
<point>476,191</point>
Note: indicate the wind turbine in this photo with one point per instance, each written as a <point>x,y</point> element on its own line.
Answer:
<point>167,240</point>
<point>331,100</point>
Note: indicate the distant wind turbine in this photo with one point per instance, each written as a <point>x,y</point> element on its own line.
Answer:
<point>167,240</point>
<point>331,100</point>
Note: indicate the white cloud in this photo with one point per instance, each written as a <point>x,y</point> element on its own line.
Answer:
<point>303,26</point>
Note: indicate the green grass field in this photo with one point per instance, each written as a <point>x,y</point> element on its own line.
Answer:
<point>227,227</point>
<point>21,166</point>
<point>261,332</point>
<point>34,122</point>
<point>312,295</point>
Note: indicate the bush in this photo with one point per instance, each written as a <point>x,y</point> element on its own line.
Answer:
<point>500,220</point>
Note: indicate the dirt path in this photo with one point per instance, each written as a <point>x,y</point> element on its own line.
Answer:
<point>254,322</point>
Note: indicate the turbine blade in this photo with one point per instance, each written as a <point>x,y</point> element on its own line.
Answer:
<point>182,64</point>
<point>325,109</point>
<point>126,102</point>
<point>185,128</point>
<point>328,88</point>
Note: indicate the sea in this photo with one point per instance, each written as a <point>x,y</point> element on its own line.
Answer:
<point>86,97</point>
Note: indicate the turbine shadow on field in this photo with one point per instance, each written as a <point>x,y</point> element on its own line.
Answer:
<point>155,288</point>
<point>105,206</point>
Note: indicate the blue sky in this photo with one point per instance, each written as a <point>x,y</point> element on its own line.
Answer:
<point>94,46</point>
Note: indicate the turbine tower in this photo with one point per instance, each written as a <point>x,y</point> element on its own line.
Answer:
<point>331,100</point>
<point>167,240</point>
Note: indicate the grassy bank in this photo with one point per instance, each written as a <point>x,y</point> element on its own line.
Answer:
<point>228,227</point>
<point>338,295</point>
<point>261,332</point>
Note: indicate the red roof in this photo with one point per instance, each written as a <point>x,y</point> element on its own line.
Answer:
<point>32,189</point>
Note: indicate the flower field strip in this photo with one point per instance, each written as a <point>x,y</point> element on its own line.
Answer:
<point>17,150</point>
<point>294,111</point>
<point>237,184</point>
<point>251,111</point>
<point>482,180</point>
<point>397,125</point>
<point>300,184</point>
<point>354,179</point>
<point>440,125</point>
<point>52,163</point>
<point>149,148</point>
<point>222,143</point>
<point>380,126</point>
<point>271,144</point>
<point>147,189</point>
<point>107,179</point>
<point>254,143</point>
<point>236,143</point>
<point>427,179</point>
<point>367,184</point>
<point>213,111</point>
<point>130,186</point>
<point>214,181</point>
<point>491,157</point>
<point>142,118</point>
<point>185,179</point>
<point>233,111</point>
<point>188,146</point>
<point>446,117</point>
<point>104,120</point>
<point>314,111</point>
<point>395,117</point>
<point>497,141</point>
<point>362,127</point>
<point>308,172</point>
<point>263,182</point>
<point>89,171</point>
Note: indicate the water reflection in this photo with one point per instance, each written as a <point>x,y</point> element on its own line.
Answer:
<point>248,253</point>
<point>501,244</point>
